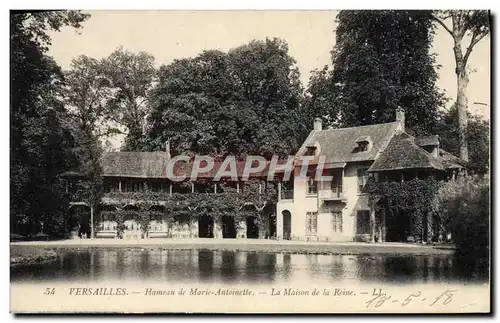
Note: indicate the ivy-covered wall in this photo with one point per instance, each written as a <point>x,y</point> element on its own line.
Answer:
<point>182,211</point>
<point>414,200</point>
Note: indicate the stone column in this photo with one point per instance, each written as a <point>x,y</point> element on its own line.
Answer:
<point>217,229</point>
<point>279,224</point>
<point>241,230</point>
<point>372,224</point>
<point>382,225</point>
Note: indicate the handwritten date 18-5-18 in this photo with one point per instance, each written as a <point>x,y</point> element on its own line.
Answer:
<point>382,298</point>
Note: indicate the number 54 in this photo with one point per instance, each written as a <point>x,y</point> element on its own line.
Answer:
<point>49,291</point>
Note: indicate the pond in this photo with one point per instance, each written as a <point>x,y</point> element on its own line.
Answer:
<point>209,266</point>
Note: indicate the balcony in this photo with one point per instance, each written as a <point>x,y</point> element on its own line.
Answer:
<point>335,193</point>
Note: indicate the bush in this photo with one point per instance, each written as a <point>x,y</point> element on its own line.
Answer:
<point>465,213</point>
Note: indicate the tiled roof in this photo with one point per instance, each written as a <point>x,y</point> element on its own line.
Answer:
<point>339,145</point>
<point>134,164</point>
<point>427,141</point>
<point>451,161</point>
<point>154,165</point>
<point>403,153</point>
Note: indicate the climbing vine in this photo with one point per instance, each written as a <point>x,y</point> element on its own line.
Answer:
<point>416,198</point>
<point>185,208</point>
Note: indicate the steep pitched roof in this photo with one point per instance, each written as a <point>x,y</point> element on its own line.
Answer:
<point>134,164</point>
<point>427,141</point>
<point>403,153</point>
<point>154,165</point>
<point>339,145</point>
<point>451,161</point>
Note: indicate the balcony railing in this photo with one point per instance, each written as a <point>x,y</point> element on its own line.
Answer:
<point>334,193</point>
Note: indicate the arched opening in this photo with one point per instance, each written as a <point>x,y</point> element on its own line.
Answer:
<point>252,227</point>
<point>131,219</point>
<point>287,224</point>
<point>158,225</point>
<point>228,227</point>
<point>205,226</point>
<point>79,221</point>
<point>107,218</point>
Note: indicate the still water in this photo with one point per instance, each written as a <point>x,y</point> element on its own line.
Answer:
<point>208,266</point>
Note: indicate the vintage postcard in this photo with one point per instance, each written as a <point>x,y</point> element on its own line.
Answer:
<point>250,161</point>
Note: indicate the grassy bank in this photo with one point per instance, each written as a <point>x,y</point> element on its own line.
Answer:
<point>50,248</point>
<point>27,255</point>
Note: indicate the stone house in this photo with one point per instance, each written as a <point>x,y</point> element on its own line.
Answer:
<point>335,210</point>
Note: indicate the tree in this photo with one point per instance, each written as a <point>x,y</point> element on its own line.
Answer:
<point>193,106</point>
<point>40,143</point>
<point>268,82</point>
<point>131,77</point>
<point>471,24</point>
<point>319,98</point>
<point>240,103</point>
<point>87,92</point>
<point>478,137</point>
<point>382,60</point>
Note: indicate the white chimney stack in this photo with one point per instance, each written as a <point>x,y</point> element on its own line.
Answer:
<point>318,124</point>
<point>400,117</point>
<point>167,150</point>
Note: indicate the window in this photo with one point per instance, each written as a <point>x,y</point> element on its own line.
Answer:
<point>310,151</point>
<point>312,223</point>
<point>363,146</point>
<point>312,187</point>
<point>337,222</point>
<point>362,178</point>
<point>363,222</point>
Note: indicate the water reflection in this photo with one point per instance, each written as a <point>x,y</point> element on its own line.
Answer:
<point>248,267</point>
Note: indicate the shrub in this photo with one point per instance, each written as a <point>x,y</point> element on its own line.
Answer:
<point>464,207</point>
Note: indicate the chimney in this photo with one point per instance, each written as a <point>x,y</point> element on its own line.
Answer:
<point>400,117</point>
<point>167,150</point>
<point>318,124</point>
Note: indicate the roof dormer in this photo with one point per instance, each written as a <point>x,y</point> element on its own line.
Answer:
<point>364,143</point>
<point>429,143</point>
<point>312,149</point>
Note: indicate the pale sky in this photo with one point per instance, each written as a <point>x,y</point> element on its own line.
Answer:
<point>310,35</point>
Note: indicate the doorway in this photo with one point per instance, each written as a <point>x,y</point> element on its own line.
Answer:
<point>228,227</point>
<point>252,228</point>
<point>205,226</point>
<point>287,224</point>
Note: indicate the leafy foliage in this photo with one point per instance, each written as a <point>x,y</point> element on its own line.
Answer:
<point>131,77</point>
<point>478,137</point>
<point>415,197</point>
<point>381,60</point>
<point>464,207</point>
<point>41,142</point>
<point>240,103</point>
<point>185,208</point>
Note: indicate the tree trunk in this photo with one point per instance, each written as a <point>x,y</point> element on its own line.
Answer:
<point>462,82</point>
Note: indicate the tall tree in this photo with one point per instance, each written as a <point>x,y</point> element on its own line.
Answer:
<point>465,24</point>
<point>268,82</point>
<point>131,77</point>
<point>192,106</point>
<point>320,97</point>
<point>40,144</point>
<point>382,60</point>
<point>87,91</point>
<point>243,102</point>
<point>478,137</point>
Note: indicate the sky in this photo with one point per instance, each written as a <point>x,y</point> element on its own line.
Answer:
<point>170,35</point>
